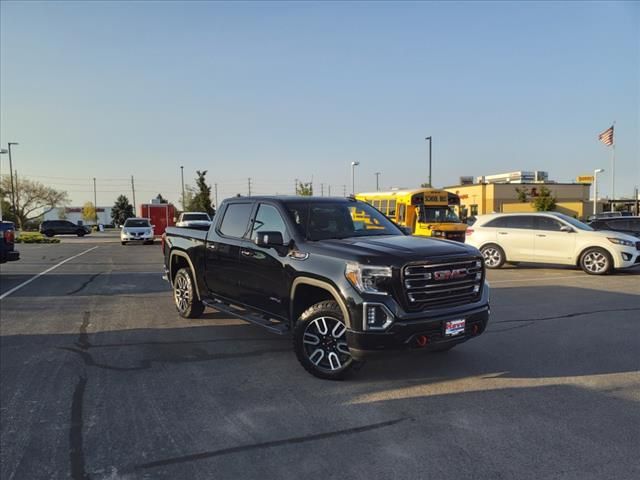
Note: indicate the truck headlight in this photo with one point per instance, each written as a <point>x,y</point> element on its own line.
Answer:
<point>368,279</point>
<point>621,241</point>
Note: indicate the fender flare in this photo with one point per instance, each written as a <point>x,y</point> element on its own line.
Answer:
<point>178,253</point>
<point>323,285</point>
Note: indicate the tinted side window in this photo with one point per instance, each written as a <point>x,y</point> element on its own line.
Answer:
<point>619,224</point>
<point>500,222</point>
<point>634,224</point>
<point>268,219</point>
<point>521,221</point>
<point>236,219</point>
<point>549,224</point>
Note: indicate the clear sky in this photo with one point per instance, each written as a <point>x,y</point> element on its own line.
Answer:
<point>275,91</point>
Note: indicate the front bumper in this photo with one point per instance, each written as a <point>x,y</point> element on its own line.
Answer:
<point>136,238</point>
<point>420,330</point>
<point>422,334</point>
<point>627,258</point>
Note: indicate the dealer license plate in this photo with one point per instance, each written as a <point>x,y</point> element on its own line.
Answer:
<point>454,327</point>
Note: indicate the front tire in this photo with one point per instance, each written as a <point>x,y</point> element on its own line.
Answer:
<point>80,233</point>
<point>596,261</point>
<point>493,255</point>
<point>185,296</point>
<point>319,340</point>
<point>123,243</point>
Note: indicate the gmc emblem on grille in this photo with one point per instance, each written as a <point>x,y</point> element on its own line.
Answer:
<point>450,274</point>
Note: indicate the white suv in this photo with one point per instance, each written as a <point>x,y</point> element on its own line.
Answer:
<point>551,238</point>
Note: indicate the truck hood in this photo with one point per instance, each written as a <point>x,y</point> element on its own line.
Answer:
<point>392,249</point>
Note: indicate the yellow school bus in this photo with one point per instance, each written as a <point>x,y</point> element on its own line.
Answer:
<point>425,211</point>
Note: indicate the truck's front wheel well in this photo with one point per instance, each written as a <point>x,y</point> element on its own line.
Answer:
<point>178,262</point>
<point>305,296</point>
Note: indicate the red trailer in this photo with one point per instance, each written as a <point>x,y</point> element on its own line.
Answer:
<point>160,214</point>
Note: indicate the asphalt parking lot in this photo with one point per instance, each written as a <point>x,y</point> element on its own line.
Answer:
<point>101,379</point>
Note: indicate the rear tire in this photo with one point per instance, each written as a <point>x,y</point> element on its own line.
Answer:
<point>48,233</point>
<point>123,243</point>
<point>493,255</point>
<point>319,341</point>
<point>185,296</point>
<point>596,261</point>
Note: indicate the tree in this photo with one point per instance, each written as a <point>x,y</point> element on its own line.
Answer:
<point>189,193</point>
<point>121,210</point>
<point>89,212</point>
<point>544,202</point>
<point>523,194</point>
<point>201,201</point>
<point>33,199</point>
<point>304,189</point>
<point>62,213</point>
<point>425,185</point>
<point>161,199</point>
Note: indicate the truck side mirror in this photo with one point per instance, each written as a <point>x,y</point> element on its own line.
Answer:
<point>405,230</point>
<point>269,239</point>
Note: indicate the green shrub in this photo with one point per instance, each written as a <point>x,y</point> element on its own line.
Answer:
<point>35,237</point>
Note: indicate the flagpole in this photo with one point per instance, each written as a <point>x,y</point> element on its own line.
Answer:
<point>613,165</point>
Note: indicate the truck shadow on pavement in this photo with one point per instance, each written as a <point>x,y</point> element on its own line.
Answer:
<point>259,398</point>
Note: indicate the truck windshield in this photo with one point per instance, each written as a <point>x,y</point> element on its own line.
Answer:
<point>438,215</point>
<point>195,216</point>
<point>326,220</point>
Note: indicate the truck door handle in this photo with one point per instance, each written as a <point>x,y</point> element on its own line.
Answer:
<point>540,235</point>
<point>503,233</point>
<point>246,253</point>
<point>212,246</point>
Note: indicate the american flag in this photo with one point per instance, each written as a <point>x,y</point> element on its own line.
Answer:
<point>606,137</point>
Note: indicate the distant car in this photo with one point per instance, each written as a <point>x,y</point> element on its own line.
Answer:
<point>8,253</point>
<point>624,224</point>
<point>136,230</point>
<point>51,228</point>
<point>551,238</point>
<point>194,220</point>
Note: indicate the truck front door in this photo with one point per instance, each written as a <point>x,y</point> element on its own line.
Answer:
<point>263,277</point>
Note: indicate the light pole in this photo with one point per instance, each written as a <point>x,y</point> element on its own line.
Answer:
<point>182,175</point>
<point>430,141</point>
<point>13,188</point>
<point>353,177</point>
<point>2,152</point>
<point>377,181</point>
<point>595,188</point>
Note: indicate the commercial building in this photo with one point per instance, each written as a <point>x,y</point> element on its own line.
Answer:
<point>74,215</point>
<point>511,192</point>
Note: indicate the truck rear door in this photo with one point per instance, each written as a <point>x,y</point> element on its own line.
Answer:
<point>222,259</point>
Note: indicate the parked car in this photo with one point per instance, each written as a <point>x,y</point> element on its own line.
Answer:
<point>628,225</point>
<point>194,220</point>
<point>337,273</point>
<point>551,238</point>
<point>136,230</point>
<point>51,228</point>
<point>8,253</point>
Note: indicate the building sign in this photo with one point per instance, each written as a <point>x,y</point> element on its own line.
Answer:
<point>585,179</point>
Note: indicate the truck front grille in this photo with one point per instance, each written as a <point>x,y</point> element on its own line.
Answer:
<point>445,283</point>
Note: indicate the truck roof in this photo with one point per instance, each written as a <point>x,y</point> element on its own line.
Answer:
<point>291,198</point>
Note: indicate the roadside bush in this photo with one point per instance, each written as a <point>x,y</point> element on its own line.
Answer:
<point>35,237</point>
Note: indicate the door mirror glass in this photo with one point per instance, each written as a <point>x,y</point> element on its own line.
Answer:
<point>269,239</point>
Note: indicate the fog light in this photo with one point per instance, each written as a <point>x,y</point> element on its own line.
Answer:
<point>626,256</point>
<point>376,316</point>
<point>476,288</point>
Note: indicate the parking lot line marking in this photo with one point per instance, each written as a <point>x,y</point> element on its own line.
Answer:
<point>27,282</point>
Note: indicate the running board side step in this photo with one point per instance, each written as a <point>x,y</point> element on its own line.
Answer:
<point>279,328</point>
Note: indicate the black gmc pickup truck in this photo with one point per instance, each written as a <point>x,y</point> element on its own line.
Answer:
<point>345,280</point>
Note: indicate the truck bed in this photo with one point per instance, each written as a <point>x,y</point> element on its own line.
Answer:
<point>190,233</point>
